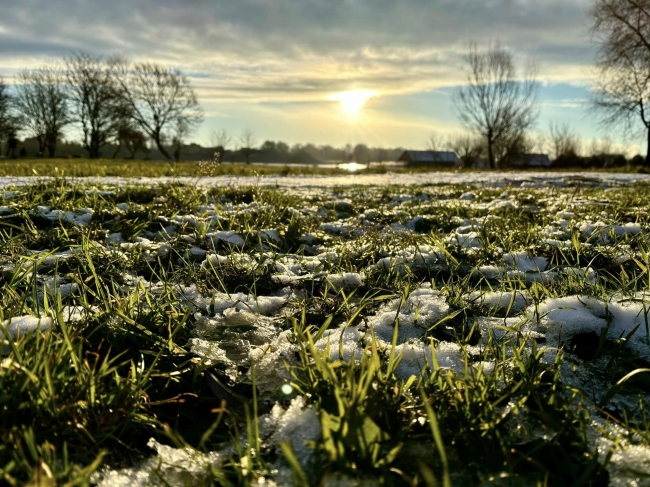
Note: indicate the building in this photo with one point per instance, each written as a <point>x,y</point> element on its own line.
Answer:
<point>532,160</point>
<point>442,158</point>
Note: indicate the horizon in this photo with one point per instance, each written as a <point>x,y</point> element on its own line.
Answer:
<point>284,70</point>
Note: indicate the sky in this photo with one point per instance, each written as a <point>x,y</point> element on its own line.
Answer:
<point>273,66</point>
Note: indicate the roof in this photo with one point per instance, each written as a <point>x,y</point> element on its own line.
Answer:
<point>423,156</point>
<point>533,160</point>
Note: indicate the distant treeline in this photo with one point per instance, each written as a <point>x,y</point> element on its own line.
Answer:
<point>268,152</point>
<point>108,101</point>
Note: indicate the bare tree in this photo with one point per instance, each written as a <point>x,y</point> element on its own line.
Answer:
<point>563,140</point>
<point>42,105</point>
<point>437,143</point>
<point>159,100</point>
<point>5,106</point>
<point>220,141</point>
<point>94,100</point>
<point>468,148</point>
<point>601,147</point>
<point>181,131</point>
<point>247,141</point>
<point>496,103</point>
<point>8,123</point>
<point>622,88</point>
<point>132,139</point>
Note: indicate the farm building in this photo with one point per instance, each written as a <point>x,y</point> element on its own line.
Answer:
<point>532,160</point>
<point>445,158</point>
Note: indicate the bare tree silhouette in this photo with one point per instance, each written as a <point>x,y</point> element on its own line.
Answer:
<point>622,87</point>
<point>496,103</point>
<point>247,141</point>
<point>159,99</point>
<point>94,100</point>
<point>42,105</point>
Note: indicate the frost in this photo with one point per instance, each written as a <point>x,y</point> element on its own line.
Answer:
<point>560,244</point>
<point>298,424</point>
<point>75,314</point>
<point>628,463</point>
<point>490,272</point>
<point>586,274</point>
<point>219,302</point>
<point>417,356</point>
<point>270,372</point>
<point>561,318</point>
<point>422,256</point>
<point>230,238</point>
<point>208,350</point>
<point>530,277</point>
<point>525,262</point>
<point>471,240</point>
<point>346,281</point>
<point>115,239</point>
<point>600,231</point>
<point>337,228</point>
<point>344,343</point>
<point>172,467</point>
<point>421,310</point>
<point>18,326</point>
<point>501,301</point>
<point>80,217</point>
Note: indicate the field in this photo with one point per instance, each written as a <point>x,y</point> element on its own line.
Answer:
<point>141,168</point>
<point>185,333</point>
<point>72,167</point>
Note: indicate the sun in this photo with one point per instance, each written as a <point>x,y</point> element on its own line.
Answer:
<point>352,101</point>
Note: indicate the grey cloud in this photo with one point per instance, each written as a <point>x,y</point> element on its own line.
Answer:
<point>297,47</point>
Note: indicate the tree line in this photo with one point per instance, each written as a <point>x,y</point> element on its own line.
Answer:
<point>110,101</point>
<point>498,102</point>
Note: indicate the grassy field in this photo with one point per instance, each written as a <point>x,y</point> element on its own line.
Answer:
<point>140,168</point>
<point>434,335</point>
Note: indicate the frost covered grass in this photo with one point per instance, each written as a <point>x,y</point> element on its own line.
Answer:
<point>140,168</point>
<point>66,167</point>
<point>377,335</point>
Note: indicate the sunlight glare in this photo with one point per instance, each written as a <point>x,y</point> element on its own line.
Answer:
<point>352,101</point>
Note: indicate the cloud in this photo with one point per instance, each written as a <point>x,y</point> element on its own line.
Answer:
<point>301,50</point>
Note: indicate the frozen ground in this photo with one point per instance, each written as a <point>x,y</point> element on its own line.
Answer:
<point>496,178</point>
<point>515,302</point>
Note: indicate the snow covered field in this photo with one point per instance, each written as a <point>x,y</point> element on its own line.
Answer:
<point>493,178</point>
<point>335,331</point>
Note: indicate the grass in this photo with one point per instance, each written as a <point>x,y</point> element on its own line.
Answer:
<point>121,363</point>
<point>66,167</point>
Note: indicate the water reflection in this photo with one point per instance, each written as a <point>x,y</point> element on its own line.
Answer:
<point>352,166</point>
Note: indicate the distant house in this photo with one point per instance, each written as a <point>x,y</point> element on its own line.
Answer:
<point>532,160</point>
<point>442,158</point>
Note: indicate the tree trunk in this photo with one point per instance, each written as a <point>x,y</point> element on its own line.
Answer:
<point>41,146</point>
<point>117,151</point>
<point>647,156</point>
<point>491,151</point>
<point>162,149</point>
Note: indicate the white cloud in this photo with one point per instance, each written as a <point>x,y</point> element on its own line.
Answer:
<point>291,50</point>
